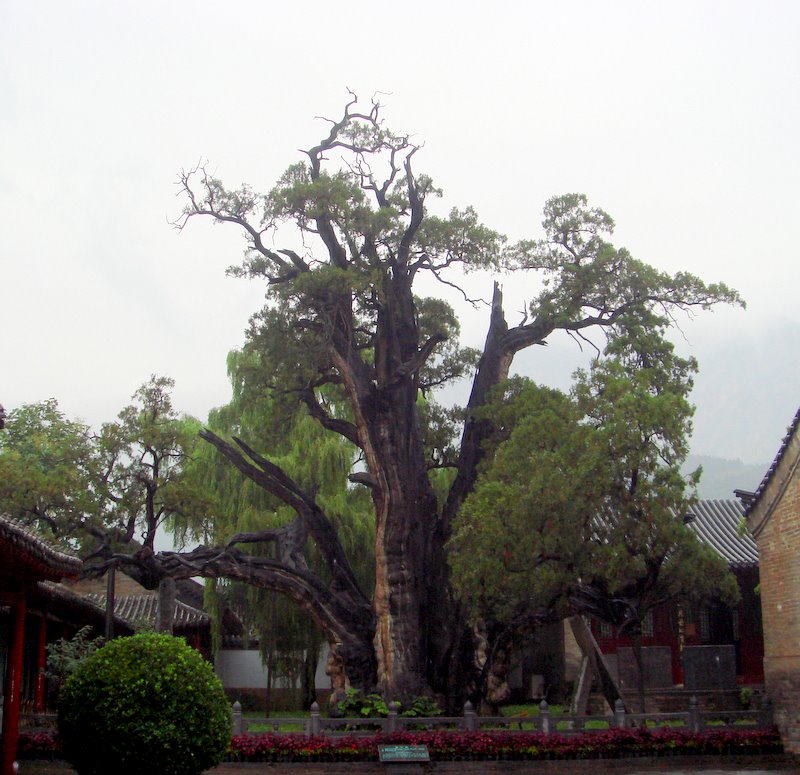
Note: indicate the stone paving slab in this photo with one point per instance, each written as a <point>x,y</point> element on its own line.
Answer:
<point>690,765</point>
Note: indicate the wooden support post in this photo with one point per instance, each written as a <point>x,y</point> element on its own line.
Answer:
<point>596,663</point>
<point>165,621</point>
<point>41,665</point>
<point>13,686</point>
<point>583,687</point>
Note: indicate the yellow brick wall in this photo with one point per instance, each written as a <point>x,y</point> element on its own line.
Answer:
<point>779,561</point>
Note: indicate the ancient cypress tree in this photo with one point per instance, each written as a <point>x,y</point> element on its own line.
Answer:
<point>340,243</point>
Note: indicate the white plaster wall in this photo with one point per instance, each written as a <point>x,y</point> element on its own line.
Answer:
<point>242,669</point>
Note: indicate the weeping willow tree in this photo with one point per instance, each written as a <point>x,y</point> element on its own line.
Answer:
<point>244,513</point>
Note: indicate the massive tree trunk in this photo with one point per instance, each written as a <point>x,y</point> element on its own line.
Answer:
<point>404,501</point>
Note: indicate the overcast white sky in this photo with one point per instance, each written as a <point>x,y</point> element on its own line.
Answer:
<point>681,119</point>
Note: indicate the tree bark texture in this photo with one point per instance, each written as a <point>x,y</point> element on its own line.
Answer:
<point>166,605</point>
<point>405,505</point>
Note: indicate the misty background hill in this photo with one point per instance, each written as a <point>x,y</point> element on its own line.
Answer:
<point>721,477</point>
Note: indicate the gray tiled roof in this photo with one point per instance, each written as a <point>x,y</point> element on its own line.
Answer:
<point>25,542</point>
<point>144,608</point>
<point>77,609</point>
<point>717,523</point>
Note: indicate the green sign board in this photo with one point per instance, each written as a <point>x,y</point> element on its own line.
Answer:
<point>403,753</point>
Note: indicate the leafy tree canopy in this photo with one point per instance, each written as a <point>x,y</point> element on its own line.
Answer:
<point>339,375</point>
<point>580,504</point>
<point>49,471</point>
<point>98,492</point>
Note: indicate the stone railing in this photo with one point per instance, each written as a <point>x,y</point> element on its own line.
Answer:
<point>545,722</point>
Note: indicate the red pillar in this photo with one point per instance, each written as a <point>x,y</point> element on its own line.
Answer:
<point>41,664</point>
<point>13,686</point>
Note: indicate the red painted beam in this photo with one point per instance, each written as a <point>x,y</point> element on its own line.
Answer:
<point>41,664</point>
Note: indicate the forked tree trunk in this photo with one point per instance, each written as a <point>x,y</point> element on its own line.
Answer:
<point>408,544</point>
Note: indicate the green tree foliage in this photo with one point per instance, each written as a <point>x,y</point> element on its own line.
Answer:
<point>65,654</point>
<point>145,454</point>
<point>49,472</point>
<point>580,504</point>
<point>520,540</point>
<point>101,492</point>
<point>148,703</point>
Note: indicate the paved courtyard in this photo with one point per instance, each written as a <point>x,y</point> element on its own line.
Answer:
<point>754,765</point>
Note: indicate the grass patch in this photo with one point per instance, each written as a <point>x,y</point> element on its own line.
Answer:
<point>269,725</point>
<point>531,709</point>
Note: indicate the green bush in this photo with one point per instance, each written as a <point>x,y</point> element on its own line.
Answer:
<point>374,706</point>
<point>64,656</point>
<point>144,704</point>
<point>359,704</point>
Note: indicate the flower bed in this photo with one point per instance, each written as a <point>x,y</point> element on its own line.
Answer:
<point>613,743</point>
<point>38,745</point>
<point>476,746</point>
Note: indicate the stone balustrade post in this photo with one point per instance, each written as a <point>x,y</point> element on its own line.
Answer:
<point>236,718</point>
<point>470,723</point>
<point>695,722</point>
<point>620,722</point>
<point>394,708</point>
<point>314,726</point>
<point>766,718</point>
<point>544,717</point>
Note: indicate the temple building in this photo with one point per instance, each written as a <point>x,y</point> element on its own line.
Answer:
<point>26,563</point>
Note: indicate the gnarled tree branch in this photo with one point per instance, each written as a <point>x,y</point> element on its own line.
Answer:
<point>275,481</point>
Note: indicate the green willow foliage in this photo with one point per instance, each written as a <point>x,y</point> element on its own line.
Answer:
<point>320,462</point>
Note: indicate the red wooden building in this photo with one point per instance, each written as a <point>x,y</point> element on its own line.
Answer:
<point>25,562</point>
<point>671,630</point>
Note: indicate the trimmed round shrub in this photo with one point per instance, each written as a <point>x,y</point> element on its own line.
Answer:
<point>145,704</point>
